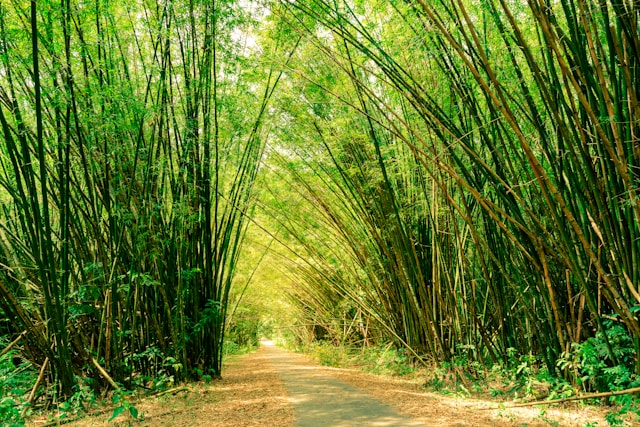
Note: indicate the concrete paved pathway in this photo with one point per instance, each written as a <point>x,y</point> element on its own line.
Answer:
<point>323,401</point>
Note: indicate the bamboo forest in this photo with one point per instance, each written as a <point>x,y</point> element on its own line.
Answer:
<point>456,180</point>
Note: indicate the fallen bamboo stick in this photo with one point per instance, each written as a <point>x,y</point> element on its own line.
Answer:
<point>172,391</point>
<point>572,398</point>
<point>32,395</point>
<point>12,344</point>
<point>104,374</point>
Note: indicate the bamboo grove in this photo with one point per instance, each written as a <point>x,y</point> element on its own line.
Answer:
<point>454,176</point>
<point>471,172</point>
<point>131,139</point>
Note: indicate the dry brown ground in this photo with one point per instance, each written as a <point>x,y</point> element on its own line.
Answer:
<point>252,394</point>
<point>434,409</point>
<point>408,396</point>
<point>249,394</point>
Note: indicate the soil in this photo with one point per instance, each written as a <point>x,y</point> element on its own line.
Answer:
<point>252,392</point>
<point>434,409</point>
<point>321,399</point>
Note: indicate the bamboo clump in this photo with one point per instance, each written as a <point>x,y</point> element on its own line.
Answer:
<point>126,179</point>
<point>483,197</point>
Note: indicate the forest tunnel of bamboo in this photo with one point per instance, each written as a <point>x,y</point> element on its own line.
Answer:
<point>455,177</point>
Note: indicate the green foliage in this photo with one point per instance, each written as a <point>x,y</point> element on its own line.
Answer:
<point>210,317</point>
<point>378,359</point>
<point>123,406</point>
<point>627,407</point>
<point>522,376</point>
<point>524,371</point>
<point>10,413</point>
<point>82,399</point>
<point>165,368</point>
<point>385,359</point>
<point>592,366</point>
<point>129,158</point>
<point>244,330</point>
<point>481,190</point>
<point>327,354</point>
<point>17,376</point>
<point>457,194</point>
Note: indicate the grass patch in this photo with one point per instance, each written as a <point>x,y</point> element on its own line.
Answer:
<point>380,359</point>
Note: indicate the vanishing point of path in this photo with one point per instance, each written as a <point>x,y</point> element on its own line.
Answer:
<point>320,400</point>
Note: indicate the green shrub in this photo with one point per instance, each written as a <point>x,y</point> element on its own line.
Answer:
<point>591,366</point>
<point>329,355</point>
<point>9,413</point>
<point>244,331</point>
<point>386,359</point>
<point>17,376</point>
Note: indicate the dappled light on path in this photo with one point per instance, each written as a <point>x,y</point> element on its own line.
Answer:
<point>323,401</point>
<point>336,397</point>
<point>276,388</point>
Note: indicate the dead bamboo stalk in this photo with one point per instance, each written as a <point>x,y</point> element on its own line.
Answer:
<point>572,398</point>
<point>12,344</point>
<point>32,395</point>
<point>172,391</point>
<point>104,374</point>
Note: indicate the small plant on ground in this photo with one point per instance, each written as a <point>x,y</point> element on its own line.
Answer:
<point>123,405</point>
<point>80,400</point>
<point>329,355</point>
<point>593,367</point>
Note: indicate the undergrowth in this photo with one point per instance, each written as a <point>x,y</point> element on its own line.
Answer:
<point>17,376</point>
<point>377,359</point>
<point>244,332</point>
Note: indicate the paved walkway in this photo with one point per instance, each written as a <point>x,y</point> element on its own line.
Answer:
<point>323,401</point>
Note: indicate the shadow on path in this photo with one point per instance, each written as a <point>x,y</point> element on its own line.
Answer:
<point>323,401</point>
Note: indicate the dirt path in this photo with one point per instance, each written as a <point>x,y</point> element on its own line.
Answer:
<point>275,388</point>
<point>321,400</point>
<point>437,410</point>
<point>333,397</point>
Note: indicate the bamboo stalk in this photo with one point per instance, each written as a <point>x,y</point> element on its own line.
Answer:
<point>12,344</point>
<point>32,395</point>
<point>105,374</point>
<point>558,179</point>
<point>573,398</point>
